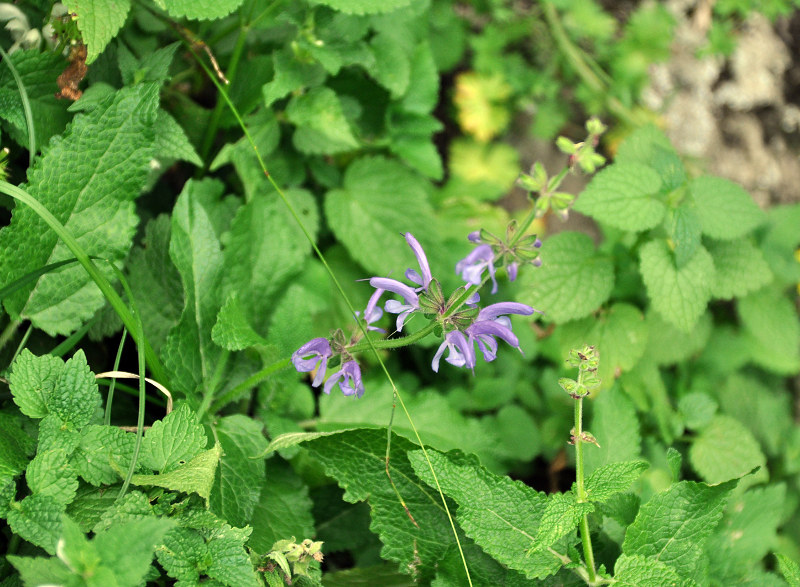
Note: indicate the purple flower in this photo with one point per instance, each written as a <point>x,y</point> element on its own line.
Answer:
<point>313,355</point>
<point>491,322</point>
<point>349,379</point>
<point>471,267</point>
<point>461,351</point>
<point>512,270</point>
<point>424,279</point>
<point>393,306</point>
<point>373,312</point>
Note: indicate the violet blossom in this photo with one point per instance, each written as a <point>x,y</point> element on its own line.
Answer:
<point>373,312</point>
<point>461,351</point>
<point>349,379</point>
<point>472,266</point>
<point>426,277</point>
<point>313,355</point>
<point>492,322</point>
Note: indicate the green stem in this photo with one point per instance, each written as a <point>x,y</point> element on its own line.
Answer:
<point>8,332</point>
<point>213,384</point>
<point>586,539</point>
<point>248,383</point>
<point>393,343</point>
<point>112,385</point>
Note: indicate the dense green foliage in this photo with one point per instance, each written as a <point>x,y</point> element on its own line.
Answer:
<point>232,174</point>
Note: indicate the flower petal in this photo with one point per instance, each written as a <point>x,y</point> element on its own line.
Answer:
<point>494,310</point>
<point>397,287</point>
<point>421,259</point>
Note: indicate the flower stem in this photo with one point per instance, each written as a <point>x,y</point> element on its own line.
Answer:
<point>394,343</point>
<point>586,538</point>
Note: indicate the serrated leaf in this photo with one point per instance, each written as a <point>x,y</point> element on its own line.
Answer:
<point>501,515</point>
<point>789,569</point>
<point>232,330</point>
<point>667,344</point>
<point>747,532</point>
<point>283,509</point>
<point>33,380</point>
<point>641,571</point>
<point>88,181</point>
<point>50,474</point>
<point>380,198</point>
<point>772,329</point>
<point>364,6</point>
<point>75,396</point>
<point>152,67</point>
<point>291,74</point>
<point>196,476</point>
<point>156,283</point>
<point>172,142</point>
<point>265,249</point>
<point>41,570</point>
<point>90,504</point>
<point>697,409</point>
<point>37,519</point>
<point>356,460</point>
<point>739,268</point>
<point>38,71</point>
<point>170,442</point>
<point>241,475</point>
<point>200,9</point>
<point>321,125</point>
<point>685,234</point>
<point>650,146</point>
<point>725,450</point>
<point>679,295</point>
<point>613,478</point>
<point>624,195</point>
<point>99,21</point>
<point>127,549</point>
<point>54,433</point>
<point>616,427</point>
<point>189,353</point>
<point>561,516</point>
<point>15,448</point>
<point>573,280</point>
<point>673,526</point>
<point>725,210</point>
<point>392,66</point>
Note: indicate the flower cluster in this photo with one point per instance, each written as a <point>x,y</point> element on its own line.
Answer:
<point>464,325</point>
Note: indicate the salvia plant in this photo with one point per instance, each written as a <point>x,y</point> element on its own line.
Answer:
<point>230,252</point>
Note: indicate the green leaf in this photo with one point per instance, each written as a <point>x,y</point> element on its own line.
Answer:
<point>613,478</point>
<point>697,409</point>
<point>38,71</point>
<point>37,519</point>
<point>189,353</point>
<point>789,569</point>
<point>291,74</point>
<point>15,447</point>
<point>740,268</point>
<point>99,21</point>
<point>619,334</point>
<point>127,549</point>
<point>573,280</point>
<point>772,329</point>
<point>725,450</point>
<point>200,9</point>
<point>650,146</point>
<point>684,234</point>
<point>679,295</point>
<point>624,195</point>
<point>561,516</point>
<point>616,427</point>
<point>322,128</point>
<point>50,474</point>
<point>486,171</point>
<point>747,532</point>
<point>283,509</point>
<point>41,570</point>
<point>641,571</point>
<point>380,198</point>
<point>725,210</point>
<point>75,396</point>
<point>422,92</point>
<point>156,283</point>
<point>170,442</point>
<point>172,142</point>
<point>392,67</point>
<point>241,476</point>
<point>196,476</point>
<point>232,330</point>
<point>673,526</point>
<point>54,433</point>
<point>33,380</point>
<point>107,153</point>
<point>91,503</point>
<point>265,249</point>
<point>501,515</point>
<point>364,6</point>
<point>356,460</point>
<point>667,344</point>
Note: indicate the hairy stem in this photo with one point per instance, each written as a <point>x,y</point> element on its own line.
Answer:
<point>586,539</point>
